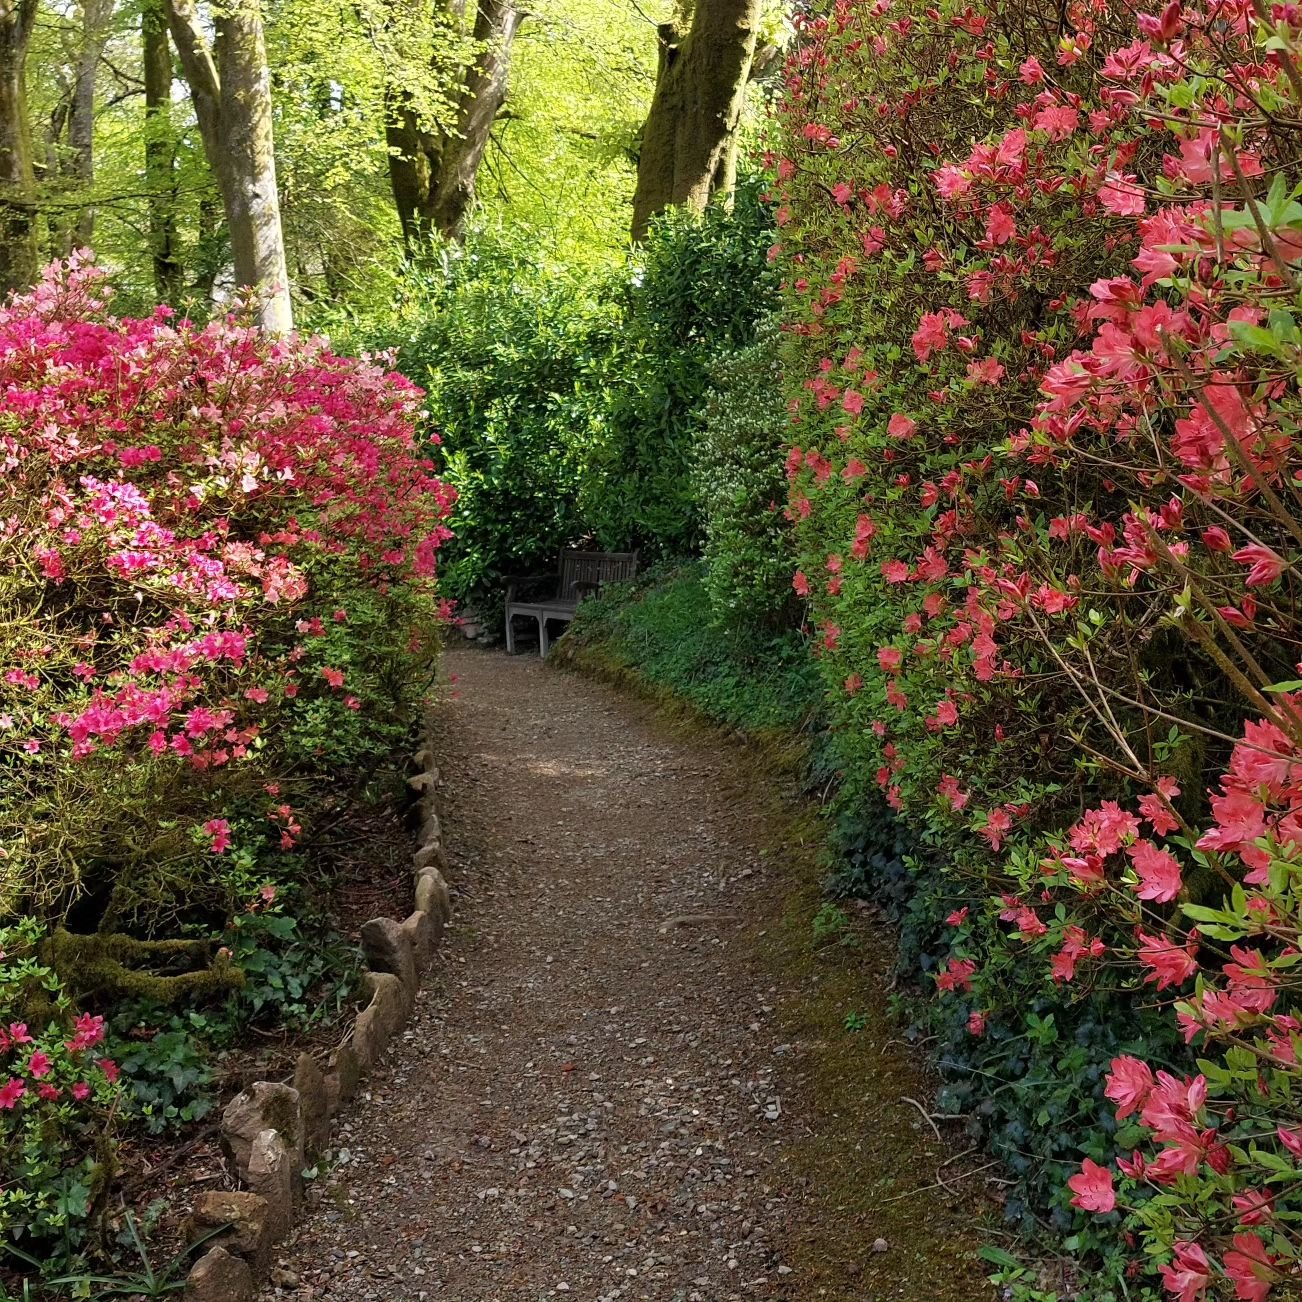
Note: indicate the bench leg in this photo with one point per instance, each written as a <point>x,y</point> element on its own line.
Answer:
<point>510,635</point>
<point>542,636</point>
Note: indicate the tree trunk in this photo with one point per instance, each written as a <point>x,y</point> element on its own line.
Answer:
<point>81,117</point>
<point>70,145</point>
<point>18,248</point>
<point>230,85</point>
<point>160,146</point>
<point>689,139</point>
<point>433,171</point>
<point>210,251</point>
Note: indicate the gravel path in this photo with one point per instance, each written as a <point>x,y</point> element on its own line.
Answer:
<point>597,1098</point>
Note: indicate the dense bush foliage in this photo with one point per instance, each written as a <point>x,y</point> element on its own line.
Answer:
<point>58,1092</point>
<point>1041,300</point>
<point>513,353</point>
<point>218,604</point>
<point>570,403</point>
<point>702,290</point>
<point>737,472</point>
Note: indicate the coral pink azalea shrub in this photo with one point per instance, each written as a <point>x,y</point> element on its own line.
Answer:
<point>217,615</point>
<point>1042,272</point>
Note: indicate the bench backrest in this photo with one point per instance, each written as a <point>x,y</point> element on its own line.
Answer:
<point>592,569</point>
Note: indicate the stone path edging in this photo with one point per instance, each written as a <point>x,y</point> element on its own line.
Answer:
<point>270,1129</point>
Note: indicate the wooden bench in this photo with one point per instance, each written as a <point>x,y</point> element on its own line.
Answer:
<point>580,575</point>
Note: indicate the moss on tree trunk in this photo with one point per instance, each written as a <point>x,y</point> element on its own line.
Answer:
<point>689,140</point>
<point>119,966</point>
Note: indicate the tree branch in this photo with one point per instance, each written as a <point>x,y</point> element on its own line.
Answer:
<point>196,58</point>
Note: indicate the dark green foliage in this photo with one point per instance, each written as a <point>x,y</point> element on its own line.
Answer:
<point>166,1068</point>
<point>296,973</point>
<point>512,352</point>
<point>740,486</point>
<point>1031,1083</point>
<point>660,626</point>
<point>570,404</point>
<point>702,292</point>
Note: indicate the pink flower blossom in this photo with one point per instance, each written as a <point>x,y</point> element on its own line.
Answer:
<point>1031,73</point>
<point>1129,1084</point>
<point>1166,962</point>
<point>1158,872</point>
<point>1000,226</point>
<point>1156,809</point>
<point>1092,1188</point>
<point>956,974</point>
<point>1120,195</point>
<point>1266,565</point>
<point>219,832</point>
<point>88,1031</point>
<point>1190,1274</point>
<point>1250,1268</point>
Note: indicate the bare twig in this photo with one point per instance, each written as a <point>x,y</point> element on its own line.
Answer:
<point>926,1116</point>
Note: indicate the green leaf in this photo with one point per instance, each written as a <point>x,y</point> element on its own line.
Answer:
<point>998,1257</point>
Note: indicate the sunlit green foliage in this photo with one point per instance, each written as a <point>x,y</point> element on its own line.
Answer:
<point>512,351</point>
<point>565,151</point>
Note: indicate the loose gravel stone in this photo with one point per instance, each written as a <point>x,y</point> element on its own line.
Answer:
<point>591,1099</point>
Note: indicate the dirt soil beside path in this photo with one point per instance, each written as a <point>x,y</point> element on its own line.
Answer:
<point>627,1077</point>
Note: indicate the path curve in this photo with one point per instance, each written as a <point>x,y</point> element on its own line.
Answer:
<point>596,1098</point>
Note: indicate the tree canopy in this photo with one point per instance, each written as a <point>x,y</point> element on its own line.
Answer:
<point>319,150</point>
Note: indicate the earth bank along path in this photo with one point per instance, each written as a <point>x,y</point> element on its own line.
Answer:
<point>627,1078</point>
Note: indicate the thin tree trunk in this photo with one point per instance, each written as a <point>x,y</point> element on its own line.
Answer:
<point>231,88</point>
<point>432,172</point>
<point>160,147</point>
<point>689,139</point>
<point>81,116</point>
<point>18,245</point>
<point>209,251</point>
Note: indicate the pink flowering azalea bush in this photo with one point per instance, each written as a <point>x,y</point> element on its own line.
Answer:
<point>218,620</point>
<point>218,586</point>
<point>1042,284</point>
